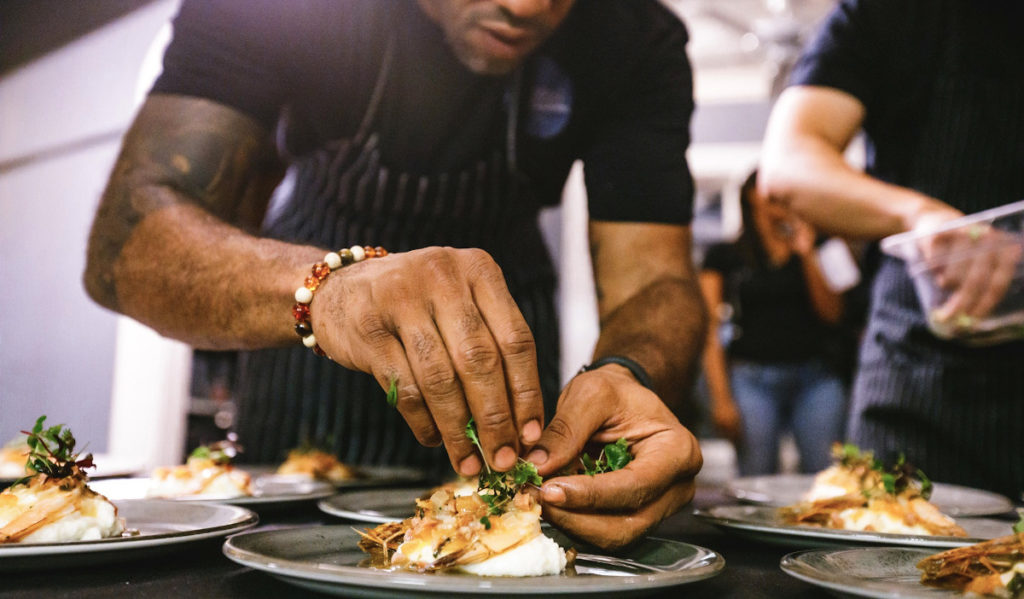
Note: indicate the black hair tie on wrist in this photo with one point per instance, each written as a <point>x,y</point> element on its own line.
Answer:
<point>638,371</point>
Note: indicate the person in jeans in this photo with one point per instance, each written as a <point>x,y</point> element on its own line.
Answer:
<point>768,375</point>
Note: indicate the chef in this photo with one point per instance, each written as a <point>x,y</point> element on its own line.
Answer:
<point>400,274</point>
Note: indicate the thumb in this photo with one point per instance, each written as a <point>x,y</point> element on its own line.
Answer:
<point>563,440</point>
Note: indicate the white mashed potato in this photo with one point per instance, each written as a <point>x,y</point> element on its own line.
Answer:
<point>96,518</point>
<point>876,521</point>
<point>540,556</point>
<point>211,482</point>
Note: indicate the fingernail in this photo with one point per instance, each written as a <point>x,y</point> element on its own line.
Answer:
<point>470,466</point>
<point>538,457</point>
<point>531,432</point>
<point>505,458</point>
<point>553,494</point>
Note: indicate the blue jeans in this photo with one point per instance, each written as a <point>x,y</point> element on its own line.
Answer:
<point>806,398</point>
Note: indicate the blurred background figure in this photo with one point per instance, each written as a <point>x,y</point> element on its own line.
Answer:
<point>766,365</point>
<point>936,86</point>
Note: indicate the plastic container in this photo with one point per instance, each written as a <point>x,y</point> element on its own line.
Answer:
<point>975,256</point>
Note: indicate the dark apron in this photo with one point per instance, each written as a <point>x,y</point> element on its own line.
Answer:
<point>956,412</point>
<point>344,194</point>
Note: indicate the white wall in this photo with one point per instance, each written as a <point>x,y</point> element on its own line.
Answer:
<point>61,118</point>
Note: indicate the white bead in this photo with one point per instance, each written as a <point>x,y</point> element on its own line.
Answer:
<point>303,295</point>
<point>358,253</point>
<point>309,340</point>
<point>333,261</point>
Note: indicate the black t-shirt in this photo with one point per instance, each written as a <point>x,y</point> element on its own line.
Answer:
<point>940,81</point>
<point>612,87</point>
<point>773,319</point>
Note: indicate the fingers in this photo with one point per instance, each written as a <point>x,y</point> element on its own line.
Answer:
<point>999,280</point>
<point>614,530</point>
<point>515,345</point>
<point>478,365</point>
<point>569,431</point>
<point>438,382</point>
<point>659,462</point>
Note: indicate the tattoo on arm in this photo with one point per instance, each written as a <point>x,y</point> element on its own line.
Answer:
<point>178,150</point>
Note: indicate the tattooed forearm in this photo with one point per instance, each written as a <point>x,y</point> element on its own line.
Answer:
<point>178,150</point>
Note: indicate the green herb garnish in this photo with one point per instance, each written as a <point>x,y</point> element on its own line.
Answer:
<point>497,489</point>
<point>221,452</point>
<point>1019,526</point>
<point>486,522</point>
<point>613,457</point>
<point>895,479</point>
<point>392,397</point>
<point>52,453</point>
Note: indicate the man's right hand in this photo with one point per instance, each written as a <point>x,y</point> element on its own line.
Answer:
<point>442,326</point>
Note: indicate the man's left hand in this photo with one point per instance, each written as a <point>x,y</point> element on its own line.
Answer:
<point>612,509</point>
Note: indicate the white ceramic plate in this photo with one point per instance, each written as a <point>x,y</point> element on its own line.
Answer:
<point>374,506</point>
<point>163,526</point>
<point>786,489</point>
<point>877,572</point>
<point>269,491</point>
<point>327,559</point>
<point>763,523</point>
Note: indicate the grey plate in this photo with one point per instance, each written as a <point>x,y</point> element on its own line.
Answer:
<point>164,526</point>
<point>787,489</point>
<point>763,523</point>
<point>270,491</point>
<point>374,506</point>
<point>326,559</point>
<point>878,572</point>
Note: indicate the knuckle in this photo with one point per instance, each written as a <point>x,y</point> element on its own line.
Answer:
<point>518,341</point>
<point>480,265</point>
<point>372,328</point>
<point>479,358</point>
<point>560,431</point>
<point>409,398</point>
<point>438,379</point>
<point>492,418</point>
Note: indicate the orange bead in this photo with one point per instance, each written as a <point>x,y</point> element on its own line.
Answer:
<point>300,312</point>
<point>321,270</point>
<point>381,252</point>
<point>312,283</point>
<point>370,252</point>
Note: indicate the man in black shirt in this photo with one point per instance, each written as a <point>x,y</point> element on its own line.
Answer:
<point>423,127</point>
<point>937,88</point>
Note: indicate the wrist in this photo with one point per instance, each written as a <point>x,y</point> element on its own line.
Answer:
<point>624,364</point>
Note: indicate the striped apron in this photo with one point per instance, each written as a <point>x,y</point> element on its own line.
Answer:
<point>344,195</point>
<point>956,412</point>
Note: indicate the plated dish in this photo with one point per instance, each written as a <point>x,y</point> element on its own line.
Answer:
<point>327,559</point>
<point>785,489</point>
<point>269,491</point>
<point>763,523</point>
<point>159,526</point>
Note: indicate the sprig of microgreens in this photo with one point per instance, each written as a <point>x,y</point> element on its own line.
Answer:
<point>1019,526</point>
<point>613,457</point>
<point>392,397</point>
<point>52,452</point>
<point>895,479</point>
<point>497,489</point>
<point>221,452</point>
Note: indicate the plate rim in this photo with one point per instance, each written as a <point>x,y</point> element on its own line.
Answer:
<point>323,489</point>
<point>833,534</point>
<point>786,564</point>
<point>367,578</point>
<point>242,520</point>
<point>324,505</point>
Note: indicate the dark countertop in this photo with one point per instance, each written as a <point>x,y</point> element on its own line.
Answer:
<point>201,570</point>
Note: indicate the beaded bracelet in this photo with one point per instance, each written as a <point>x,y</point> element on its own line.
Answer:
<point>304,295</point>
